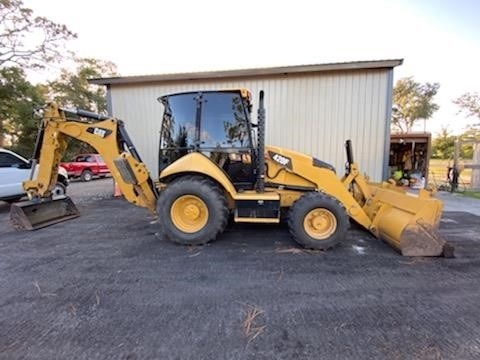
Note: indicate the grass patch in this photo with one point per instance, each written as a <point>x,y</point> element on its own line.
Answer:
<point>472,194</point>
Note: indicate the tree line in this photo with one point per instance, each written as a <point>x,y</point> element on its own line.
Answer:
<point>413,102</point>
<point>30,43</point>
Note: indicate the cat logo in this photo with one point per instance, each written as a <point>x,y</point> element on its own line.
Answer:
<point>99,131</point>
<point>281,160</point>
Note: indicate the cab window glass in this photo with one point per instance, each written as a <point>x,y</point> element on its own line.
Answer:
<point>178,124</point>
<point>177,134</point>
<point>224,122</point>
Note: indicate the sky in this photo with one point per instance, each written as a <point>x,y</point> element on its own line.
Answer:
<point>439,40</point>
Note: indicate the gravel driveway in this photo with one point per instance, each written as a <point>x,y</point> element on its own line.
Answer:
<point>103,286</point>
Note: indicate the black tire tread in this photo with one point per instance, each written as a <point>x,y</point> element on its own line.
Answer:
<point>207,186</point>
<point>295,224</point>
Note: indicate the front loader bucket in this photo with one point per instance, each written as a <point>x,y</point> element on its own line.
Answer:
<point>35,214</point>
<point>407,222</point>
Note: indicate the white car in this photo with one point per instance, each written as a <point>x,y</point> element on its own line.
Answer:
<point>14,169</point>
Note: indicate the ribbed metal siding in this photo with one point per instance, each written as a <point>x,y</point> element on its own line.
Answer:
<point>312,113</point>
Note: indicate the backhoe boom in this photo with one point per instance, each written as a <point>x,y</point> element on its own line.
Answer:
<point>108,137</point>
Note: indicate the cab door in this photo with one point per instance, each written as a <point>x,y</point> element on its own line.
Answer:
<point>225,137</point>
<point>215,123</point>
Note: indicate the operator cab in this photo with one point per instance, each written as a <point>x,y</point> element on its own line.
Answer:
<point>214,123</point>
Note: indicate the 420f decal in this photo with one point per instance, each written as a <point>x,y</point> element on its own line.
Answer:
<point>281,159</point>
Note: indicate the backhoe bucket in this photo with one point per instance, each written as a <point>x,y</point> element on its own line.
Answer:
<point>35,214</point>
<point>407,222</point>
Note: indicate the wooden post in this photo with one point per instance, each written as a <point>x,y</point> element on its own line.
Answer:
<point>456,153</point>
<point>475,177</point>
<point>454,175</point>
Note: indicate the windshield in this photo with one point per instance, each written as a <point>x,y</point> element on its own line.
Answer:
<point>206,122</point>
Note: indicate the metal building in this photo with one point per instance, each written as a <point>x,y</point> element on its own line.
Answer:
<point>310,108</point>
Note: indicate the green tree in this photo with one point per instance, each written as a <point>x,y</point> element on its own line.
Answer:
<point>412,101</point>
<point>72,89</point>
<point>29,41</point>
<point>18,101</point>
<point>469,103</point>
<point>26,42</point>
<point>443,145</point>
<point>466,150</point>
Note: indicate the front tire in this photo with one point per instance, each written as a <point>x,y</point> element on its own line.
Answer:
<point>59,189</point>
<point>318,221</point>
<point>87,175</point>
<point>192,211</point>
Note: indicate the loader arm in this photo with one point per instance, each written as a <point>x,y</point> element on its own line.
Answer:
<point>303,172</point>
<point>107,136</point>
<point>408,223</point>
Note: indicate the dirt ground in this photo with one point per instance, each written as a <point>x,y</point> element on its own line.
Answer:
<point>103,286</point>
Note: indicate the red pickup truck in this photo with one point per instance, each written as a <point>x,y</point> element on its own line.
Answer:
<point>86,166</point>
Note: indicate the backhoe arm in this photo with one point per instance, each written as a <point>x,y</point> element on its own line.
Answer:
<point>107,136</point>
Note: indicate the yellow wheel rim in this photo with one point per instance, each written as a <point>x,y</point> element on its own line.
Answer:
<point>320,224</point>
<point>189,213</point>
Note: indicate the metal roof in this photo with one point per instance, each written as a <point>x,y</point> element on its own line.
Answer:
<point>283,70</point>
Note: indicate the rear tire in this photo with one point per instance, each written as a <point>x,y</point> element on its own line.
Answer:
<point>86,175</point>
<point>318,221</point>
<point>192,211</point>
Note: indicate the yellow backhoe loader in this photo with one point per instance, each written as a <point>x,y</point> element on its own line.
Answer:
<point>213,163</point>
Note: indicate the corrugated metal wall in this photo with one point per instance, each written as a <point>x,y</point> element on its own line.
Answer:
<point>312,113</point>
